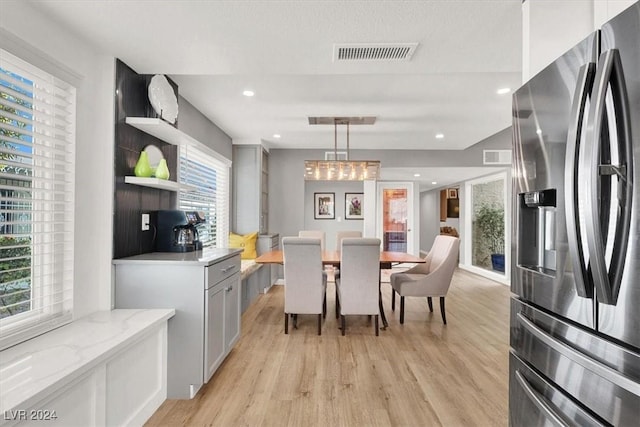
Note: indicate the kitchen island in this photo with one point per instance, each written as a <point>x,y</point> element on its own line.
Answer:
<point>204,289</point>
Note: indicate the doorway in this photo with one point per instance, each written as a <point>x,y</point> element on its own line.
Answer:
<point>396,217</point>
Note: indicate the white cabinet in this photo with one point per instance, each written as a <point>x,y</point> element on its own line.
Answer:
<point>207,304</point>
<point>104,369</point>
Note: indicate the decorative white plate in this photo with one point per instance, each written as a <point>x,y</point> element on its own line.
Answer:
<point>163,99</point>
<point>155,155</point>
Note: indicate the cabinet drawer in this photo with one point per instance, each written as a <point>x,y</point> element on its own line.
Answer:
<point>221,270</point>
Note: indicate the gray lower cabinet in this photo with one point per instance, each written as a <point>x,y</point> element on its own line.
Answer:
<point>221,308</point>
<point>266,243</point>
<point>206,298</point>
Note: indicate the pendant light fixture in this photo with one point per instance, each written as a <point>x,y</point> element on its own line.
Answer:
<point>341,170</point>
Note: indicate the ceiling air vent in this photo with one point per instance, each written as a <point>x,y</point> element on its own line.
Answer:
<point>373,51</point>
<point>496,157</point>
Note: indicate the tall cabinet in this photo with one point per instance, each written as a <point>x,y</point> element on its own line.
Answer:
<point>250,189</point>
<point>251,201</point>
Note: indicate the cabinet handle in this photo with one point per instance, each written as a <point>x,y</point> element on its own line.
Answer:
<point>229,289</point>
<point>231,267</point>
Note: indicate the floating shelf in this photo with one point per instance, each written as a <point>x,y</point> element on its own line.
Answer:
<point>161,184</point>
<point>161,130</point>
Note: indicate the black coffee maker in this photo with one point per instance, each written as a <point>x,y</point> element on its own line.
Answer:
<point>177,231</point>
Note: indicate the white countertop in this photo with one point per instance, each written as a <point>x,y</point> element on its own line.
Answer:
<point>204,257</point>
<point>32,370</point>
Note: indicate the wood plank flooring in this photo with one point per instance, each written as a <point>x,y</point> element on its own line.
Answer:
<point>422,373</point>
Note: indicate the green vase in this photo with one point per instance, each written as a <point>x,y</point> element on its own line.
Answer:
<point>143,168</point>
<point>162,171</point>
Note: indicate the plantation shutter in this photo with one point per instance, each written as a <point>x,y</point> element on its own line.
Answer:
<point>207,176</point>
<point>37,179</point>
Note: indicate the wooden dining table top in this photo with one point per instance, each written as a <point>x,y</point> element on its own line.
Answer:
<point>333,257</point>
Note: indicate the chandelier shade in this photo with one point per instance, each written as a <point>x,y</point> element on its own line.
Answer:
<point>341,170</point>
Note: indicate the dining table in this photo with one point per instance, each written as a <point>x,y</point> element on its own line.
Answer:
<point>387,261</point>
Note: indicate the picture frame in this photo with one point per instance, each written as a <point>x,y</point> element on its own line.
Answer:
<point>324,206</point>
<point>452,193</point>
<point>353,205</point>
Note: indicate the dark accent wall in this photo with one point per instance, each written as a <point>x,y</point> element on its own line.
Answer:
<point>131,201</point>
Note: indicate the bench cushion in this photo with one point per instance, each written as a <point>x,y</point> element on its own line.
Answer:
<point>248,267</point>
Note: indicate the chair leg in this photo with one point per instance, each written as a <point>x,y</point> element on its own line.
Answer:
<point>337,305</point>
<point>401,309</point>
<point>295,321</point>
<point>319,324</point>
<point>343,323</point>
<point>430,302</point>
<point>324,306</point>
<point>286,323</point>
<point>393,299</point>
<point>444,317</point>
<point>377,329</point>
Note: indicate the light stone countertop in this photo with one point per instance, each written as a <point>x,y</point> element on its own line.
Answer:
<point>34,369</point>
<point>204,257</point>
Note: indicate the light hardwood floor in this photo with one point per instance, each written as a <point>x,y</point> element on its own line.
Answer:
<point>421,373</point>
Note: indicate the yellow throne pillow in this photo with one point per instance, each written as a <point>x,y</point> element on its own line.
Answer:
<point>246,242</point>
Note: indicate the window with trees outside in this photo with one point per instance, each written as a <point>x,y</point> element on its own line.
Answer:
<point>37,152</point>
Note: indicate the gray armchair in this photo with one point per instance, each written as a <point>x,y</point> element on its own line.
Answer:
<point>431,279</point>
<point>305,285</point>
<point>358,287</point>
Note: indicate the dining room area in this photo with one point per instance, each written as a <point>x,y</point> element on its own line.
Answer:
<point>422,372</point>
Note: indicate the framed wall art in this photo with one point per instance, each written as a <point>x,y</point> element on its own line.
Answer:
<point>353,203</point>
<point>452,193</point>
<point>324,206</point>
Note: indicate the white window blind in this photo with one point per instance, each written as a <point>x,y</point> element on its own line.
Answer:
<point>208,179</point>
<point>37,154</point>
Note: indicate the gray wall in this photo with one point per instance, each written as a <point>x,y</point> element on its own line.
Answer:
<point>429,218</point>
<point>289,195</point>
<point>195,124</point>
<point>331,226</point>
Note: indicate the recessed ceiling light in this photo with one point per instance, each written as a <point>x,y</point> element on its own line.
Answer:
<point>416,175</point>
<point>439,135</point>
<point>503,90</point>
<point>276,135</point>
<point>434,182</point>
<point>248,93</point>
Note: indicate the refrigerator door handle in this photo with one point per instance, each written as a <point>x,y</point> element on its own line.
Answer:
<point>609,75</point>
<point>571,192</point>
<point>539,401</point>
<point>598,368</point>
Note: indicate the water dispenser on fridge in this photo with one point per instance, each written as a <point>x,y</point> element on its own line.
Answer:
<point>537,231</point>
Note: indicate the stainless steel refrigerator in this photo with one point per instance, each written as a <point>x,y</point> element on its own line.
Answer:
<point>575,306</point>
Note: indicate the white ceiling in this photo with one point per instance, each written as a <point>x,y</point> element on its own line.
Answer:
<point>283,51</point>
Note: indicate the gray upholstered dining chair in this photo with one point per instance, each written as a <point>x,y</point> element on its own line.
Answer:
<point>431,279</point>
<point>305,285</point>
<point>316,234</point>
<point>357,288</point>
<point>342,234</point>
<point>339,236</point>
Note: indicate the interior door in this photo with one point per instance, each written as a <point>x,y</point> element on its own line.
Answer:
<point>396,217</point>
